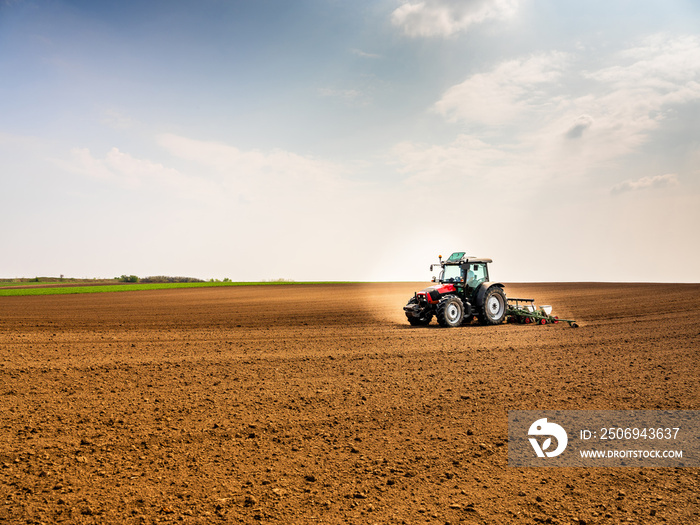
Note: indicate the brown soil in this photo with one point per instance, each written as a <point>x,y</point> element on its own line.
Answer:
<point>320,404</point>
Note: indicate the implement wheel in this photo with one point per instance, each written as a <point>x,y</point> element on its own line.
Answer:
<point>450,311</point>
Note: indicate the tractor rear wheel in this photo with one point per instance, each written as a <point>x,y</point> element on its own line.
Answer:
<point>450,311</point>
<point>493,308</point>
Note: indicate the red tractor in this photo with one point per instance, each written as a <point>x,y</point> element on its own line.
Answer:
<point>464,291</point>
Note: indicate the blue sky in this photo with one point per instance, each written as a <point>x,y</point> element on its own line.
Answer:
<point>321,139</point>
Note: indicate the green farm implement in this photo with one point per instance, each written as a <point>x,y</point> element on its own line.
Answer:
<point>524,311</point>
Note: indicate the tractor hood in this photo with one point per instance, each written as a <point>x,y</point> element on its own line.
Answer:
<point>433,293</point>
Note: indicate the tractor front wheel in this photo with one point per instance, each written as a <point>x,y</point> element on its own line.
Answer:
<point>450,311</point>
<point>493,308</point>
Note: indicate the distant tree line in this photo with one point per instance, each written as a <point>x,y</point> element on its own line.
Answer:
<point>169,279</point>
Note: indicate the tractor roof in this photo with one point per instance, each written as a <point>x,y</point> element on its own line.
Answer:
<point>461,257</point>
<point>469,260</point>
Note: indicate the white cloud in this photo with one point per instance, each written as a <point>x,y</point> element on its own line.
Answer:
<point>548,116</point>
<point>82,161</point>
<point>364,54</point>
<point>464,161</point>
<point>659,63</point>
<point>255,172</point>
<point>431,18</point>
<point>506,92</point>
<point>644,88</point>
<point>634,95</point>
<point>658,181</point>
<point>126,171</point>
<point>581,124</point>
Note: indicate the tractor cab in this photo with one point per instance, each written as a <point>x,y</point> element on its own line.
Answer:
<point>466,273</point>
<point>453,273</point>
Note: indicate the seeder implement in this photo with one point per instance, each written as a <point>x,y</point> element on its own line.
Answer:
<point>528,313</point>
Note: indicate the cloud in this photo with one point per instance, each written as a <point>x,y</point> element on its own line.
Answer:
<point>82,161</point>
<point>459,163</point>
<point>442,18</point>
<point>255,171</point>
<point>659,62</point>
<point>658,181</point>
<point>364,54</point>
<point>504,93</point>
<point>581,124</point>
<point>278,183</point>
<point>629,98</point>
<point>645,87</point>
<point>276,188</point>
<point>549,116</point>
<point>128,172</point>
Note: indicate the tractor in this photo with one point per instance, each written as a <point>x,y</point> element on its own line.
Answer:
<point>463,292</point>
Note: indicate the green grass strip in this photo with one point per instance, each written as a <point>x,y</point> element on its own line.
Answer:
<point>64,290</point>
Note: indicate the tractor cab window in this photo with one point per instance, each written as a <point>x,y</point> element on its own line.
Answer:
<point>476,274</point>
<point>452,274</point>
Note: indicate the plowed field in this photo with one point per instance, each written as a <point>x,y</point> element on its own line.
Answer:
<point>320,404</point>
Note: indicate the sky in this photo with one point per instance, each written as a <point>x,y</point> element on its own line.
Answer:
<point>330,140</point>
